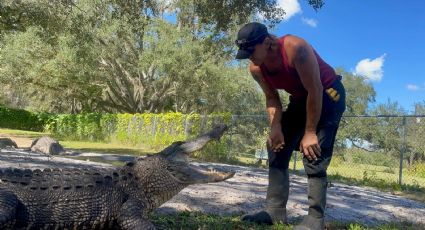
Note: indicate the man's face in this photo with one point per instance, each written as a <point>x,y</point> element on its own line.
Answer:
<point>259,54</point>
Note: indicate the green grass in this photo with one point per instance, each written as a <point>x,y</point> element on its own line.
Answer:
<point>22,133</point>
<point>85,146</point>
<point>199,221</point>
<point>363,171</point>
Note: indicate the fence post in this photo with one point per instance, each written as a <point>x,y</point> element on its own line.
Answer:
<point>154,124</point>
<point>186,126</point>
<point>402,149</point>
<point>229,143</point>
<point>295,160</point>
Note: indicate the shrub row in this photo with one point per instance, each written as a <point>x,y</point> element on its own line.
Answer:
<point>22,119</point>
<point>153,130</point>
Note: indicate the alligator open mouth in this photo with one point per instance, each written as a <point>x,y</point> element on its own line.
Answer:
<point>178,164</point>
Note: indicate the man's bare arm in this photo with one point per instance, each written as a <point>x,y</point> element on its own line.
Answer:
<point>273,103</point>
<point>305,62</point>
<point>302,57</point>
<point>274,109</point>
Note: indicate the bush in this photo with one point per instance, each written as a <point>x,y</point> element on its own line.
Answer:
<point>216,152</point>
<point>153,130</point>
<point>22,119</point>
<point>417,170</point>
<point>90,126</point>
<point>371,158</point>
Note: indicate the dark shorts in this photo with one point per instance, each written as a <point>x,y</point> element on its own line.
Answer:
<point>293,126</point>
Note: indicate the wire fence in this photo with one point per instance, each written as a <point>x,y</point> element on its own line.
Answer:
<point>383,149</point>
<point>387,149</point>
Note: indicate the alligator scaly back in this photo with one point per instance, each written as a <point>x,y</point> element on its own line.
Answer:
<point>98,198</point>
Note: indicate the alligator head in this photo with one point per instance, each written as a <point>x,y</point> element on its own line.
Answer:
<point>166,173</point>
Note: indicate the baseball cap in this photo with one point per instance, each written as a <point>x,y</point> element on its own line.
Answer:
<point>250,35</point>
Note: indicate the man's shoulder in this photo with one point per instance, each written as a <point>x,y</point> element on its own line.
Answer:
<point>293,40</point>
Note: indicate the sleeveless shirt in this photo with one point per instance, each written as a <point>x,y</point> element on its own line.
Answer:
<point>288,78</point>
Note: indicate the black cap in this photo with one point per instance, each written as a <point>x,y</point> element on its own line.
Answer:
<point>250,35</point>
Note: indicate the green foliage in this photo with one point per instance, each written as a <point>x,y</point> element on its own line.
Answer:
<point>217,152</point>
<point>196,221</point>
<point>152,130</point>
<point>18,15</point>
<point>389,133</point>
<point>23,120</point>
<point>417,170</point>
<point>122,56</point>
<point>358,156</point>
<point>200,221</point>
<point>116,56</point>
<point>359,94</point>
<point>79,127</point>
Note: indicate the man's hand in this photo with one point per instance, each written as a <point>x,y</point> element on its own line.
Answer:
<point>276,140</point>
<point>309,146</point>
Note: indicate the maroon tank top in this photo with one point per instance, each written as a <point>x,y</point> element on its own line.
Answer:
<point>288,78</point>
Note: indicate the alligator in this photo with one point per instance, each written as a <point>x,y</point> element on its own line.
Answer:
<point>90,198</point>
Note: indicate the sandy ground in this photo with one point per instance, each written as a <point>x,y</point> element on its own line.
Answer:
<point>246,192</point>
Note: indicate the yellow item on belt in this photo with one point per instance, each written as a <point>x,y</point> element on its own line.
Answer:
<point>333,94</point>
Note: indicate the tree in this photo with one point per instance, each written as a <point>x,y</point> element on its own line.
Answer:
<point>388,131</point>
<point>17,16</point>
<point>58,72</point>
<point>116,55</point>
<point>414,133</point>
<point>359,94</point>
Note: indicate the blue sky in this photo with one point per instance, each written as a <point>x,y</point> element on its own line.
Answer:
<point>383,40</point>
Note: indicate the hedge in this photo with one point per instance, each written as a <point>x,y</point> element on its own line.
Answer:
<point>133,129</point>
<point>148,129</point>
<point>22,119</point>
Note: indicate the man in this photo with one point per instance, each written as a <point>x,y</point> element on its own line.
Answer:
<point>310,122</point>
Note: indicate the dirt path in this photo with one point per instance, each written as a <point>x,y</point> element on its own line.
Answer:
<point>246,191</point>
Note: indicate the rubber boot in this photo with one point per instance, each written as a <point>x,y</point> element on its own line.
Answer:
<point>317,204</point>
<point>276,199</point>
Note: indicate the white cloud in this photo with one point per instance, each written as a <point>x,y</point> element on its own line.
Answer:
<point>371,69</point>
<point>412,87</point>
<point>310,21</point>
<point>291,7</point>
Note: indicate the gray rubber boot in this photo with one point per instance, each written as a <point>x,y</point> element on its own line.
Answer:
<point>317,204</point>
<point>276,199</point>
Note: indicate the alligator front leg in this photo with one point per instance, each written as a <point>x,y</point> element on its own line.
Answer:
<point>8,204</point>
<point>131,217</point>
